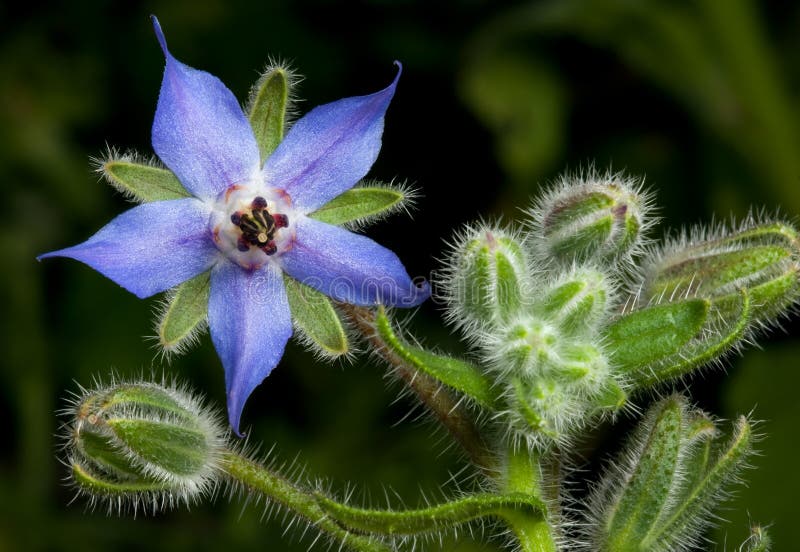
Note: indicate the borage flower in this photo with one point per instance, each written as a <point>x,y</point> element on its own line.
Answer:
<point>248,223</point>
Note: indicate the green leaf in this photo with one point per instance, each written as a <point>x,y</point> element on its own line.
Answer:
<point>358,204</point>
<point>142,182</point>
<point>651,334</point>
<point>314,315</point>
<point>458,374</point>
<point>699,351</point>
<point>433,518</point>
<point>184,313</point>
<point>267,111</point>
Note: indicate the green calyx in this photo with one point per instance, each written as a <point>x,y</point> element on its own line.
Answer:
<point>134,440</point>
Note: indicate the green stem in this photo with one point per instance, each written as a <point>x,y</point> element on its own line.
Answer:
<point>257,478</point>
<point>432,518</point>
<point>523,473</point>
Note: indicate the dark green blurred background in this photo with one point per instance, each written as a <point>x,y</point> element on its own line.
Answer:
<point>496,97</point>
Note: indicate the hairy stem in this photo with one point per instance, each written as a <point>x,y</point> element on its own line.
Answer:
<point>440,401</point>
<point>524,473</point>
<point>257,478</point>
<point>432,518</point>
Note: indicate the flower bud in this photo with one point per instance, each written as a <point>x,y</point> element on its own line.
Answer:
<point>578,302</point>
<point>763,259</point>
<point>143,443</point>
<point>553,382</point>
<point>487,278</point>
<point>593,218</point>
<point>660,492</point>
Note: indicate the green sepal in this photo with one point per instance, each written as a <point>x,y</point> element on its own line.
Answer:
<point>648,486</point>
<point>458,374</point>
<point>138,397</point>
<point>267,109</point>
<point>525,403</point>
<point>99,485</point>
<point>645,336</point>
<point>179,449</point>
<point>577,304</point>
<point>612,397</point>
<point>360,204</point>
<point>314,315</point>
<point>98,450</point>
<point>142,182</point>
<point>184,313</point>
<point>433,518</point>
<point>584,241</point>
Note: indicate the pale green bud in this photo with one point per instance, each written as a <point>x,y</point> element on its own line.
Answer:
<point>133,444</point>
<point>761,258</point>
<point>487,280</point>
<point>592,217</point>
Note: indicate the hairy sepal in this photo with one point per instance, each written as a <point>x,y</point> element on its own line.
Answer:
<point>138,179</point>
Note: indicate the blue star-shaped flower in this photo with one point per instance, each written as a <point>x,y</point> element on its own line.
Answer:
<point>248,223</point>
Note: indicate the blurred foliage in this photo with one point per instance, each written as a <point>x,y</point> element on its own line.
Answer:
<point>496,97</point>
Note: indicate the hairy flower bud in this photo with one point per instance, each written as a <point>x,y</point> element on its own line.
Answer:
<point>591,217</point>
<point>760,258</point>
<point>141,443</point>
<point>487,278</point>
<point>659,493</point>
<point>578,301</point>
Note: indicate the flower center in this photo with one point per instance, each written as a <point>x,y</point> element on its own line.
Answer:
<point>252,226</point>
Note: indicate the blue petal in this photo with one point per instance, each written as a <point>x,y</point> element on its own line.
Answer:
<point>250,323</point>
<point>200,132</point>
<point>151,247</point>
<point>349,267</point>
<point>330,149</point>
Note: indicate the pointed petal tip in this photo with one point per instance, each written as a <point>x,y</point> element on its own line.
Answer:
<point>234,416</point>
<point>419,293</point>
<point>160,34</point>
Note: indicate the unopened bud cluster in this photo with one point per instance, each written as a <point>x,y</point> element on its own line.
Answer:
<point>546,307</point>
<point>142,445</point>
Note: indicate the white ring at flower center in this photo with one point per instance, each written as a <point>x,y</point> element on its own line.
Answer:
<point>239,199</point>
